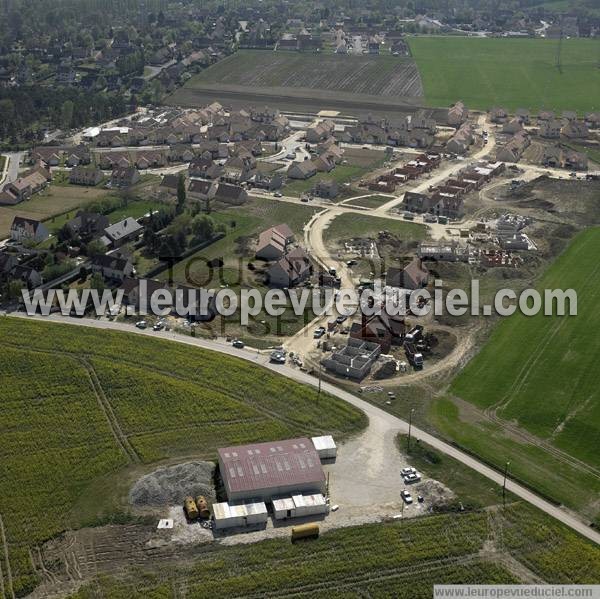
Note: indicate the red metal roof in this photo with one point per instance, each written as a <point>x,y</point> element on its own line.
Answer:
<point>274,464</point>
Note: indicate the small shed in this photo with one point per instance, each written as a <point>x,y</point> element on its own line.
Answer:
<point>325,446</point>
<point>257,512</point>
<point>228,515</point>
<point>298,506</point>
<point>283,508</point>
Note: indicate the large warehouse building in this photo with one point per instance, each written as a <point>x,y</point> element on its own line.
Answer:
<point>264,470</point>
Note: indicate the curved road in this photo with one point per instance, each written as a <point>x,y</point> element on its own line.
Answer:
<point>377,416</point>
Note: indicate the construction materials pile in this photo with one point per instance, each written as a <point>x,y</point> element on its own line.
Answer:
<point>171,484</point>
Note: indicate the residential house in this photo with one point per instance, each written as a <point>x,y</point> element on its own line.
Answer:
<point>514,148</point>
<point>270,182</point>
<point>122,232</point>
<point>383,329</point>
<point>230,194</point>
<point>88,225</point>
<point>413,276</point>
<point>85,175</point>
<point>33,181</point>
<point>112,266</point>
<point>457,114</point>
<point>523,115</point>
<point>575,130</point>
<point>301,170</point>
<point>199,165</point>
<point>290,270</point>
<point>28,229</point>
<point>124,177</point>
<point>498,115</point>
<point>552,156</point>
<point>417,202</point>
<point>513,126</point>
<point>576,161</point>
<point>319,131</point>
<point>30,276</point>
<point>138,292</point>
<point>326,188</point>
<point>274,242</point>
<point>550,129</point>
<point>201,190</point>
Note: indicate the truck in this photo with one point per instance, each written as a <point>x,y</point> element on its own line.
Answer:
<point>305,531</point>
<point>414,357</point>
<point>414,334</point>
<point>190,508</point>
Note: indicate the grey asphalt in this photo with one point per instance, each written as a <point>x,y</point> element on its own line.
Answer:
<point>378,418</point>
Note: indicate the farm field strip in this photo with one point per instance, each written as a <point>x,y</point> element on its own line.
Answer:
<point>122,405</point>
<point>501,546</point>
<point>373,75</point>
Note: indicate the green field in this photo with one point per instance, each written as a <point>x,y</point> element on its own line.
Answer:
<point>539,373</point>
<point>513,73</point>
<point>341,174</point>
<point>81,404</point>
<point>349,225</point>
<point>394,559</point>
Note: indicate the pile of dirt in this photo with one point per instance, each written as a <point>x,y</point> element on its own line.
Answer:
<point>171,484</point>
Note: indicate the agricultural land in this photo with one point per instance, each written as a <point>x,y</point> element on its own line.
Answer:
<point>79,416</point>
<point>519,377</point>
<point>397,559</point>
<point>513,73</point>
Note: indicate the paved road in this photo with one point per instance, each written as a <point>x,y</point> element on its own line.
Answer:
<point>14,161</point>
<point>377,417</point>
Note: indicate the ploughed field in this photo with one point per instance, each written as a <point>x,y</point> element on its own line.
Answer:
<point>392,559</point>
<point>81,404</point>
<point>374,75</point>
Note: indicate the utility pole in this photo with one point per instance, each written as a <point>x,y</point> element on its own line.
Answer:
<point>409,429</point>
<point>504,484</point>
<point>320,371</point>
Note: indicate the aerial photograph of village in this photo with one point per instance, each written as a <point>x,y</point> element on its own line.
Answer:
<point>297,299</point>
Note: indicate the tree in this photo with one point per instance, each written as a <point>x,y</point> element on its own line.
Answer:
<point>95,248</point>
<point>181,194</point>
<point>66,114</point>
<point>203,228</point>
<point>97,282</point>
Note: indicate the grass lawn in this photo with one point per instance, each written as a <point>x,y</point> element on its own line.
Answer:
<point>54,200</point>
<point>341,173</point>
<point>593,153</point>
<point>349,225</point>
<point>513,73</point>
<point>540,373</point>
<point>61,433</point>
<point>374,201</point>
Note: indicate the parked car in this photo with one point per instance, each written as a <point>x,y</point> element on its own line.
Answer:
<point>278,357</point>
<point>412,478</point>
<point>406,497</point>
<point>237,343</point>
<point>340,319</point>
<point>278,194</point>
<point>141,324</point>
<point>319,332</point>
<point>420,498</point>
<point>408,470</point>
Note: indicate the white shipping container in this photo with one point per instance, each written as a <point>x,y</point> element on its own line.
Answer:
<point>325,446</point>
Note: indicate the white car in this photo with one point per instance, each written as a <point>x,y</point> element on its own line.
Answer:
<point>412,478</point>
<point>406,497</point>
<point>408,470</point>
<point>141,324</point>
